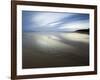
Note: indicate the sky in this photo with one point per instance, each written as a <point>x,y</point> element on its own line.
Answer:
<point>54,21</point>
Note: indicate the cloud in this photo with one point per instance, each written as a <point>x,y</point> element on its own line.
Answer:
<point>54,21</point>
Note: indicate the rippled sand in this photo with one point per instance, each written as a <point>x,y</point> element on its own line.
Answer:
<point>54,49</point>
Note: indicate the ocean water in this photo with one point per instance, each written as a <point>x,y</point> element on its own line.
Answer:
<point>54,49</point>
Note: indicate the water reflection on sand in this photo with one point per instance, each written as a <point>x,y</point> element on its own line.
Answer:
<point>55,49</point>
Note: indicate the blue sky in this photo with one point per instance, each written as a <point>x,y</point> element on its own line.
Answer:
<point>54,21</point>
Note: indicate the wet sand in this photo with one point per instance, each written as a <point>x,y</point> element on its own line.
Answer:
<point>41,50</point>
